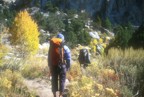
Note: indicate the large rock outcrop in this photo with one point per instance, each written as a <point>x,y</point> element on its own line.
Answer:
<point>119,11</point>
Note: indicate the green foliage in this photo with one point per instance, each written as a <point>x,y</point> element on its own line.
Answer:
<point>107,24</point>
<point>97,23</point>
<point>3,52</point>
<point>70,36</point>
<point>30,71</point>
<point>7,15</point>
<point>41,20</point>
<point>140,79</point>
<point>122,37</point>
<point>50,7</point>
<point>43,38</point>
<point>54,23</point>
<point>128,64</point>
<point>118,74</point>
<point>71,13</point>
<point>137,40</point>
<point>11,84</point>
<point>34,68</point>
<point>76,33</point>
<point>84,38</point>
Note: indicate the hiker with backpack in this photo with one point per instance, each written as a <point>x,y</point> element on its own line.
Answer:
<point>84,57</point>
<point>59,59</point>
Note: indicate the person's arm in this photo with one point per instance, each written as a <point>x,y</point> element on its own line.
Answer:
<point>67,57</point>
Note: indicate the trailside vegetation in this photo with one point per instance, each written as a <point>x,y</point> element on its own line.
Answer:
<point>24,33</point>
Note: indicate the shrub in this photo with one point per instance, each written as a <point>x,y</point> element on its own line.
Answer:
<point>34,68</point>
<point>137,39</point>
<point>24,34</point>
<point>3,52</point>
<point>118,74</point>
<point>11,84</point>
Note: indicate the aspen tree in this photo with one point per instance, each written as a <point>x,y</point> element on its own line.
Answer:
<point>24,33</point>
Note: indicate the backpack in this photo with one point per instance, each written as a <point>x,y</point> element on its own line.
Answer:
<point>56,51</point>
<point>84,57</point>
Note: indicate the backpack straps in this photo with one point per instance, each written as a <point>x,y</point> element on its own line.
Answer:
<point>61,52</point>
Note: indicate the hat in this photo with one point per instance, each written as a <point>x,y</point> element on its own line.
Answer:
<point>60,36</point>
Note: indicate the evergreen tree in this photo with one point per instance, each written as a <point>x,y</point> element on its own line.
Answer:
<point>84,38</point>
<point>122,37</point>
<point>98,22</point>
<point>137,40</point>
<point>70,36</point>
<point>24,33</point>
<point>107,24</point>
<point>54,23</point>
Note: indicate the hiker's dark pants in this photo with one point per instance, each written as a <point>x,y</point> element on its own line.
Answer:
<point>58,78</point>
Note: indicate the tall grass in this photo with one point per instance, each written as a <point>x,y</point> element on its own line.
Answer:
<point>35,67</point>
<point>11,85</point>
<point>118,74</point>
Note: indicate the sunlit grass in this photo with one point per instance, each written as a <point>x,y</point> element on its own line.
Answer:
<point>11,85</point>
<point>35,67</point>
<point>113,75</point>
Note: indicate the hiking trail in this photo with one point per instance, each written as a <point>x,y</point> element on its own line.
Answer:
<point>41,87</point>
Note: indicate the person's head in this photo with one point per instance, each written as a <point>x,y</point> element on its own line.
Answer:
<point>61,36</point>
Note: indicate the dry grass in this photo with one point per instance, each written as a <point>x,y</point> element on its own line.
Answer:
<point>35,67</point>
<point>114,75</point>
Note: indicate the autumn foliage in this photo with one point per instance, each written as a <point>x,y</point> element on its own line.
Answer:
<point>24,33</point>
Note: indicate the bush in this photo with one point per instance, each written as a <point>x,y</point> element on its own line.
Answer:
<point>3,52</point>
<point>24,34</point>
<point>11,84</point>
<point>137,39</point>
<point>118,74</point>
<point>34,68</point>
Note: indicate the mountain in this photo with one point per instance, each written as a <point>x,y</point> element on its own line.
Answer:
<point>118,11</point>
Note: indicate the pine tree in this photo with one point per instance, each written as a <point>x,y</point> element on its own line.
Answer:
<point>98,21</point>
<point>137,40</point>
<point>107,24</point>
<point>24,33</point>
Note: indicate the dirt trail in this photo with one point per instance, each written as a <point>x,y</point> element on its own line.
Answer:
<point>41,87</point>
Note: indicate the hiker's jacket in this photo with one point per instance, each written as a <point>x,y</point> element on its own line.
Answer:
<point>67,57</point>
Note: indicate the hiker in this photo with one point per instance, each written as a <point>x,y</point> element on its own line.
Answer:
<point>59,59</point>
<point>84,57</point>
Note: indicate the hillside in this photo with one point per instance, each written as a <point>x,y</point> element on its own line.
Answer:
<point>118,11</point>
<point>111,30</point>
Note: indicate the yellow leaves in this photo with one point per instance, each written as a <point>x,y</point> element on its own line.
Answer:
<point>99,86</point>
<point>108,72</point>
<point>111,92</point>
<point>3,51</point>
<point>24,32</point>
<point>97,94</point>
<point>104,45</point>
<point>100,40</point>
<point>5,83</point>
<point>93,44</point>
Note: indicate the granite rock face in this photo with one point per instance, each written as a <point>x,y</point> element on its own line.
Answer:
<point>118,11</point>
